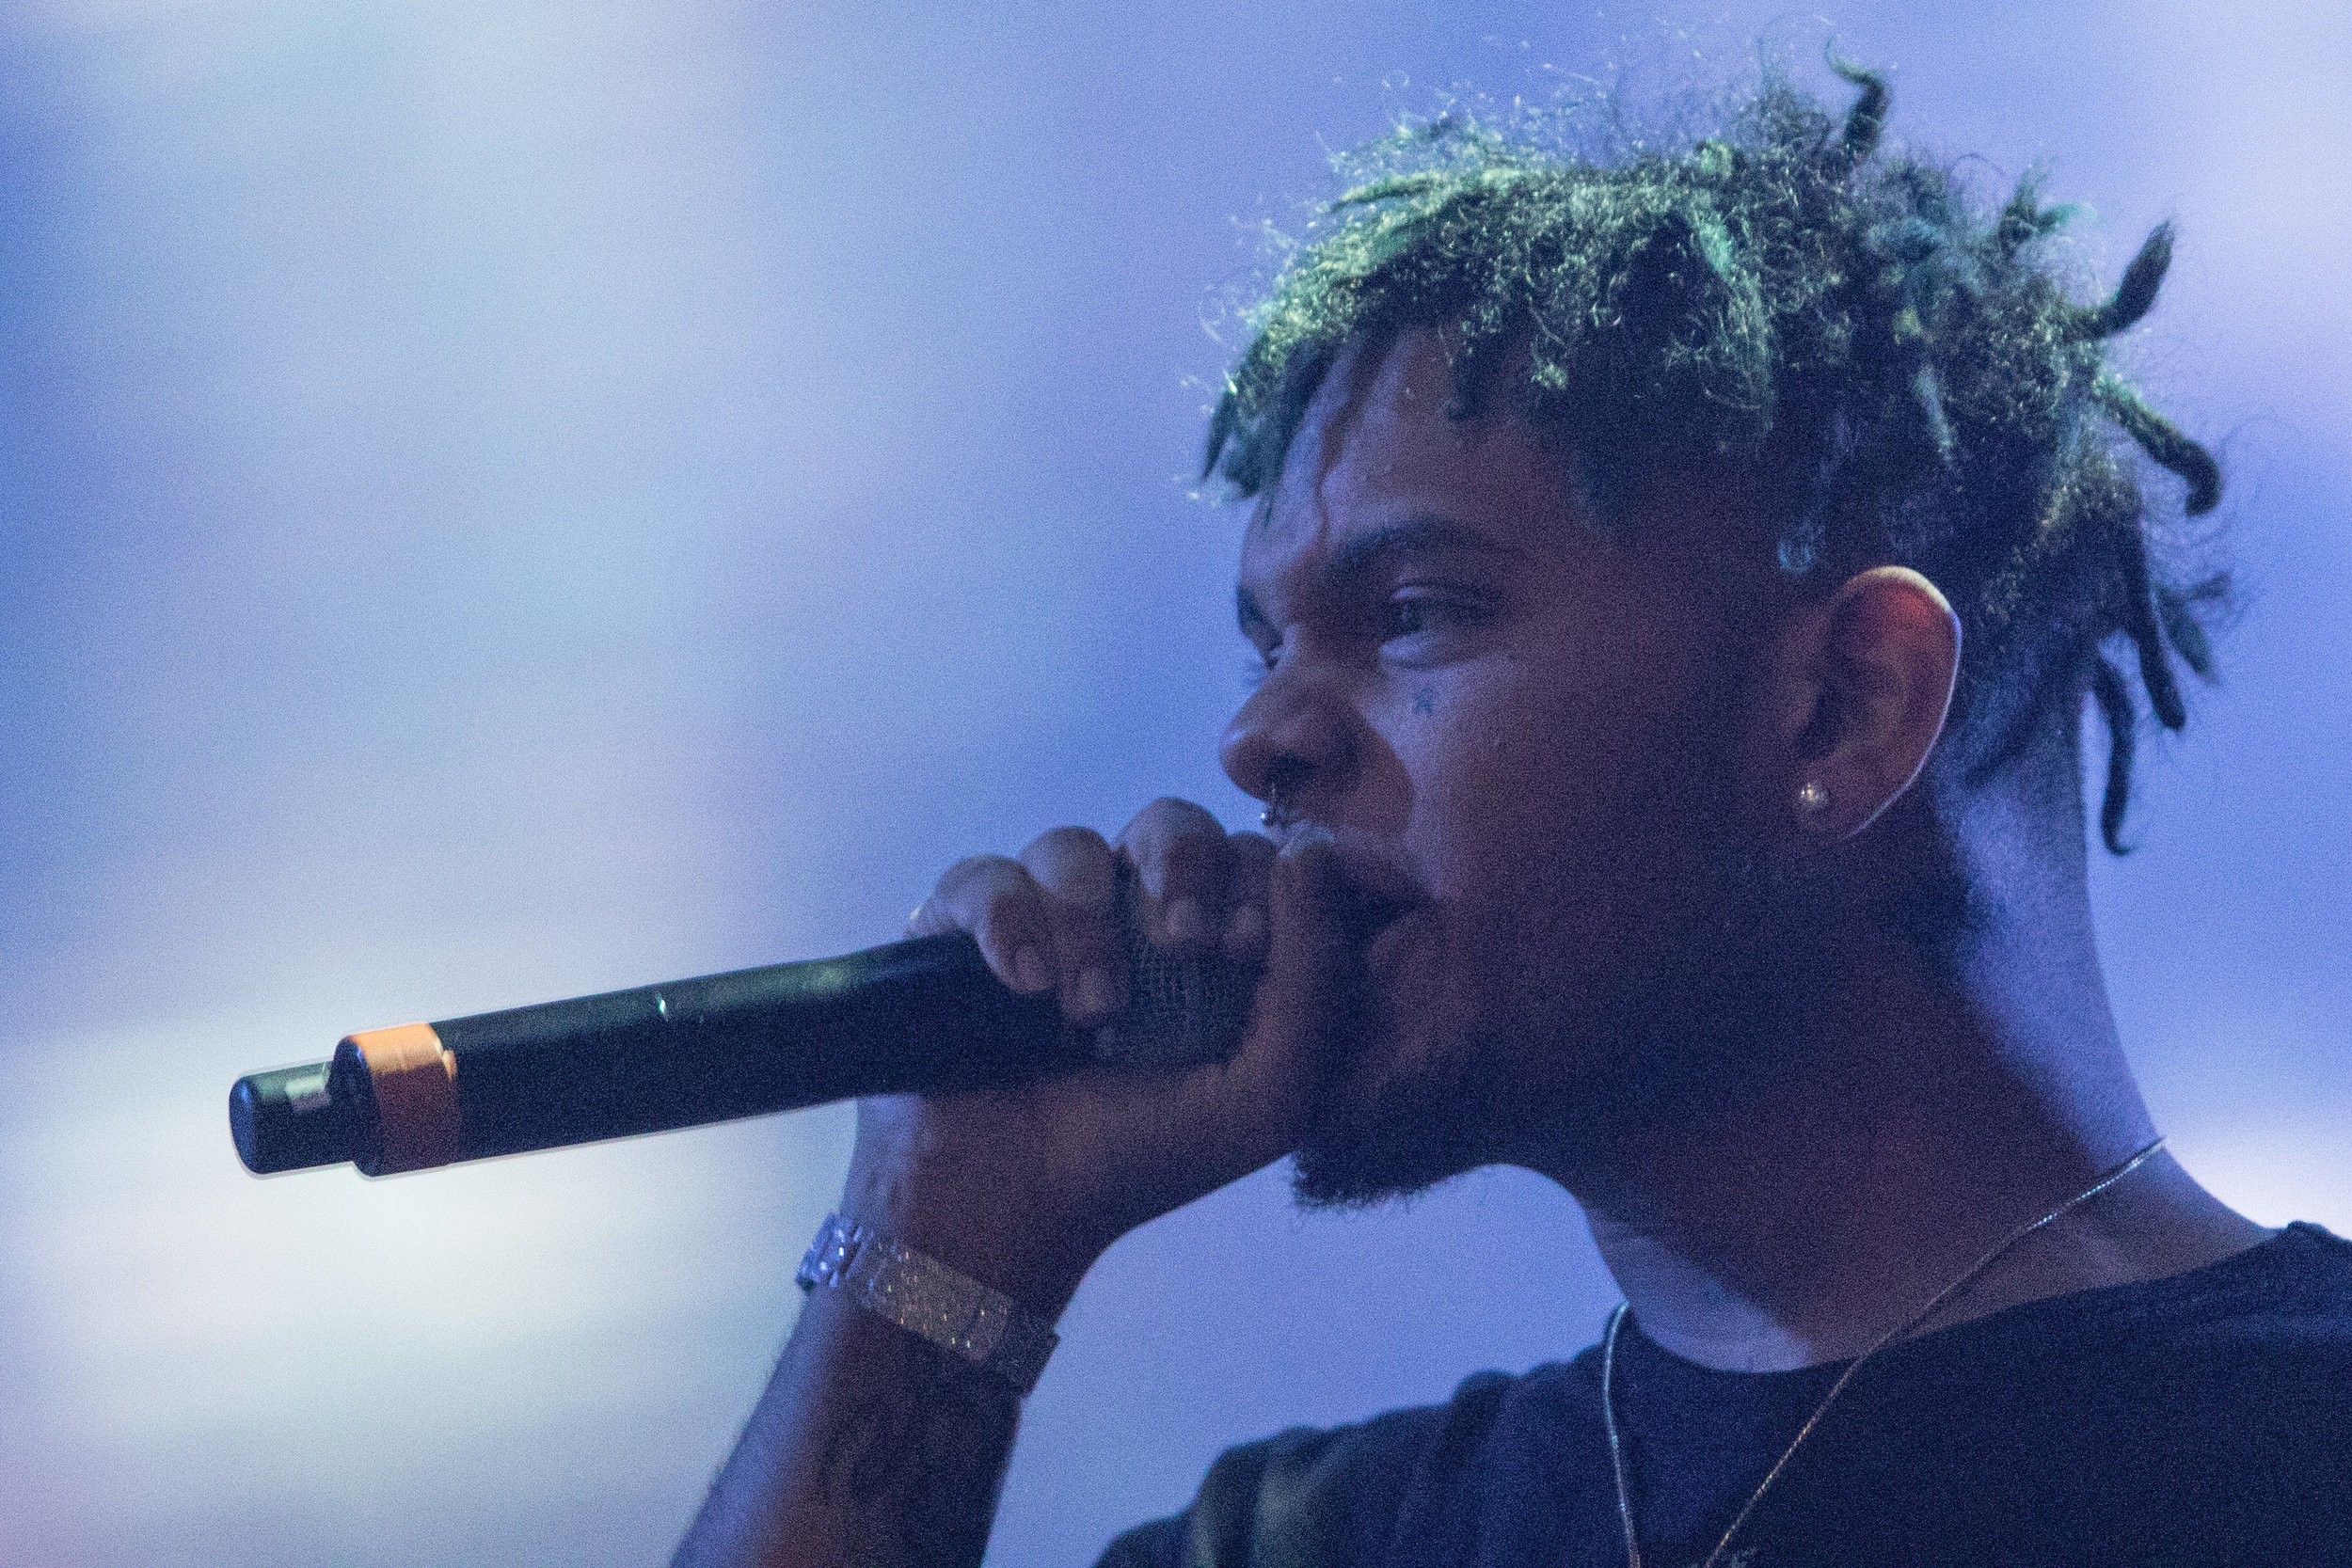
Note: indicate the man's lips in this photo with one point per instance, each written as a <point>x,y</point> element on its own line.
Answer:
<point>1373,899</point>
<point>1397,937</point>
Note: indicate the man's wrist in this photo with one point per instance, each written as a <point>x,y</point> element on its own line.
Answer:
<point>1009,1247</point>
<point>931,1300</point>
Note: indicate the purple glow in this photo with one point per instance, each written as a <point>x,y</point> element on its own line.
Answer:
<point>505,501</point>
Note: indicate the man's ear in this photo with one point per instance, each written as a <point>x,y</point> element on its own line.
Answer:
<point>1860,684</point>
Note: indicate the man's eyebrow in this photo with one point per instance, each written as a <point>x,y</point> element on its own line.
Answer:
<point>1367,552</point>
<point>1418,535</point>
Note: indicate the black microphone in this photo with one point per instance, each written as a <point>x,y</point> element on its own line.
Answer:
<point>925,1014</point>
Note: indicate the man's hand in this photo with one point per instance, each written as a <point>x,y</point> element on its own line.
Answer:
<point>873,1446</point>
<point>1024,1189</point>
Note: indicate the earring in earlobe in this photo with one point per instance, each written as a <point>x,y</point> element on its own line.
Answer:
<point>1813,797</point>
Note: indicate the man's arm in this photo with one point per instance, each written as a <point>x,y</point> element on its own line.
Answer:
<point>872,1445</point>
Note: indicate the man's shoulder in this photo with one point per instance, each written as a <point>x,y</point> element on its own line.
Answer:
<point>2146,1392</point>
<point>2302,1269</point>
<point>2254,1347</point>
<point>1329,1495</point>
<point>2260,1355</point>
<point>2286,1305</point>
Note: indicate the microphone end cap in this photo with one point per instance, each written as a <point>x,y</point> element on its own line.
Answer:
<point>283,1121</point>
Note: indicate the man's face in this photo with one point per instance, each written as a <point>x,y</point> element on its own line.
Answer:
<point>1516,729</point>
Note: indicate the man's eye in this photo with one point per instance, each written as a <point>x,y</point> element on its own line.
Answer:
<point>1413,614</point>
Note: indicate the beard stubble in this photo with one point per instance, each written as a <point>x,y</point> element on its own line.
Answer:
<point>1624,995</point>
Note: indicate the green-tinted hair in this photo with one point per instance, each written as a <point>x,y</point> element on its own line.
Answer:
<point>1903,364</point>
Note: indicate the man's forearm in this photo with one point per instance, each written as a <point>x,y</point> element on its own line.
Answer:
<point>870,1445</point>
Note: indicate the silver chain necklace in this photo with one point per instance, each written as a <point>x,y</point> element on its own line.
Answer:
<point>1901,1330</point>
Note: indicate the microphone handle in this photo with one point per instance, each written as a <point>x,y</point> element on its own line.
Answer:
<point>921,1014</point>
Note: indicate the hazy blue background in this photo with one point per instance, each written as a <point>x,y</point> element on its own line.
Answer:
<point>500,500</point>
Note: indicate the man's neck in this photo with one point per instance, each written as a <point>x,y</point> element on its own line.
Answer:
<point>1937,1114</point>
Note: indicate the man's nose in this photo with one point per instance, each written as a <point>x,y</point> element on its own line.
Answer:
<point>1295,735</point>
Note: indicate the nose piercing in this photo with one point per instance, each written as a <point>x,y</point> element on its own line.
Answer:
<point>1276,815</point>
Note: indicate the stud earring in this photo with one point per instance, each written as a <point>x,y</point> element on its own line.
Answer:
<point>1812,797</point>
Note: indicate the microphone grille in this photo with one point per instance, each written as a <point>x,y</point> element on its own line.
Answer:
<point>1183,1008</point>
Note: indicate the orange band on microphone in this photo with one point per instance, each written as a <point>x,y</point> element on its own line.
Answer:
<point>415,1081</point>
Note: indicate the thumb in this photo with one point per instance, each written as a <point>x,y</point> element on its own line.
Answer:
<point>1217,1123</point>
<point>1309,1002</point>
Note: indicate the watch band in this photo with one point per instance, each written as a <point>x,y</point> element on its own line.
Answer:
<point>924,1296</point>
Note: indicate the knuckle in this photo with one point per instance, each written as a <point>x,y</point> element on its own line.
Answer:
<point>1064,842</point>
<point>1083,935</point>
<point>978,893</point>
<point>1177,847</point>
<point>972,872</point>
<point>1005,904</point>
<point>1073,864</point>
<point>1195,855</point>
<point>1169,819</point>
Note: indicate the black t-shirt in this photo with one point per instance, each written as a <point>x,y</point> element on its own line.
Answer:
<point>2202,1419</point>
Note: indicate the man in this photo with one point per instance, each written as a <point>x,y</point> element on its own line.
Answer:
<point>1678,583</point>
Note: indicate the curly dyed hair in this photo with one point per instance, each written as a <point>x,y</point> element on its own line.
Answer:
<point>1904,364</point>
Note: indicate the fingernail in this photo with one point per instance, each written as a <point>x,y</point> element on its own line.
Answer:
<point>1245,926</point>
<point>1029,972</point>
<point>1187,921</point>
<point>1098,993</point>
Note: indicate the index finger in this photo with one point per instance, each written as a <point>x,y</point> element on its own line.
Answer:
<point>1181,864</point>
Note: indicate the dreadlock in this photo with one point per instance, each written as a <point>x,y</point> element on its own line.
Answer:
<point>1788,289</point>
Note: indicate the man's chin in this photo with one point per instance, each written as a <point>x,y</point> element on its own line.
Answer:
<point>1324,1179</point>
<point>1398,1137</point>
